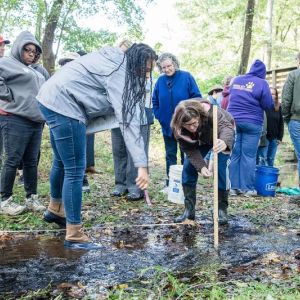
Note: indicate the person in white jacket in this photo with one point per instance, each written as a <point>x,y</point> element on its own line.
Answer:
<point>98,84</point>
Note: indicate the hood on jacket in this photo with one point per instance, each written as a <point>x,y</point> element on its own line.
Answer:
<point>258,69</point>
<point>23,39</point>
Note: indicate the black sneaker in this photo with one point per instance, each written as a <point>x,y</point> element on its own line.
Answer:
<point>135,196</point>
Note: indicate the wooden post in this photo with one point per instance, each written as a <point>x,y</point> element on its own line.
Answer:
<point>216,203</point>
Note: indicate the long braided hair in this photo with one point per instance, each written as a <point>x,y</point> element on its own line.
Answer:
<point>137,56</point>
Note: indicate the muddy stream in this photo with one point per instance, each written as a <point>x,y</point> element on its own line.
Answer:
<point>32,262</point>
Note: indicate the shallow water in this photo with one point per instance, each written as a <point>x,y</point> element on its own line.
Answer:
<point>35,261</point>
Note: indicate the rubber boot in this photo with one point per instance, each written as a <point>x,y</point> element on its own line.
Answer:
<point>189,203</point>
<point>223,204</point>
<point>55,213</point>
<point>77,240</point>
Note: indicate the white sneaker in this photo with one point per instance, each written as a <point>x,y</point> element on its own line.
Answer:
<point>235,192</point>
<point>250,193</point>
<point>33,203</point>
<point>8,207</point>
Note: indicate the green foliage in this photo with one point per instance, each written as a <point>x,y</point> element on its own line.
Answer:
<point>212,50</point>
<point>85,39</point>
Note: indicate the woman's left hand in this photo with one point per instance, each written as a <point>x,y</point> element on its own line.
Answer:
<point>220,146</point>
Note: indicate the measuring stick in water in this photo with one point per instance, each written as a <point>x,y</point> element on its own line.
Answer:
<point>216,204</point>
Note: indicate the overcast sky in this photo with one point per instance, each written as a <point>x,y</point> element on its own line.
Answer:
<point>161,25</point>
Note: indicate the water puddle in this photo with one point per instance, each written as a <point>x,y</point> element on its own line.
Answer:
<point>33,262</point>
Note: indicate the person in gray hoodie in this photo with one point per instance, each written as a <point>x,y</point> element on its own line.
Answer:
<point>21,121</point>
<point>102,83</point>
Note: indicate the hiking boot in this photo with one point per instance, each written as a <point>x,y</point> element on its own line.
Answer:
<point>55,213</point>
<point>77,240</point>
<point>85,185</point>
<point>8,207</point>
<point>33,203</point>
<point>189,203</point>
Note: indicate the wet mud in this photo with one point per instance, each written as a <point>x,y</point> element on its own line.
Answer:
<point>32,262</point>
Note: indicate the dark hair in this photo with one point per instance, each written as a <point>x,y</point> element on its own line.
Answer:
<point>187,110</point>
<point>137,56</point>
<point>276,102</point>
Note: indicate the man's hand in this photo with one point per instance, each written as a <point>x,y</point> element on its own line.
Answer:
<point>220,146</point>
<point>205,172</point>
<point>142,180</point>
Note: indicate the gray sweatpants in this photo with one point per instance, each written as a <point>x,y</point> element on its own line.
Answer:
<point>125,172</point>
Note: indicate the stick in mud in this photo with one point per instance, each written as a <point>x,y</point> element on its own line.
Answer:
<point>216,208</point>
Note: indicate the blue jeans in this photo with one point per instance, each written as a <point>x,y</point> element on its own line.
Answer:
<point>266,155</point>
<point>243,158</point>
<point>294,130</point>
<point>68,140</point>
<point>171,153</point>
<point>22,141</point>
<point>190,174</point>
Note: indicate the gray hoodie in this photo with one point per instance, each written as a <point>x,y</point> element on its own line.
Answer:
<point>90,87</point>
<point>19,84</point>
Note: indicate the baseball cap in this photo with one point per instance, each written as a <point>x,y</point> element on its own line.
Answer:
<point>2,40</point>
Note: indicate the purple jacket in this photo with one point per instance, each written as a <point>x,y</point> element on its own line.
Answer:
<point>250,95</point>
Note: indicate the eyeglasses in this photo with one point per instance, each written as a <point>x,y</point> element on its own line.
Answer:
<point>30,51</point>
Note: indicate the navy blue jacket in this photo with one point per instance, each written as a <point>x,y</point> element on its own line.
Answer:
<point>168,92</point>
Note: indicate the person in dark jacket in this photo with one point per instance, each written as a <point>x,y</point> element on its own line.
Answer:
<point>250,96</point>
<point>3,43</point>
<point>291,108</point>
<point>103,83</point>
<point>173,86</point>
<point>192,126</point>
<point>21,121</point>
<point>274,132</point>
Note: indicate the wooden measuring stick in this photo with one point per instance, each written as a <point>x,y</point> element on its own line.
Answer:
<point>216,203</point>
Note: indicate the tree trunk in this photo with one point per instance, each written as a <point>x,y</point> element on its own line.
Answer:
<point>269,22</point>
<point>247,37</point>
<point>48,39</point>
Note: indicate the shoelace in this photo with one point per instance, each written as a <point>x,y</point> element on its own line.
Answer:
<point>14,205</point>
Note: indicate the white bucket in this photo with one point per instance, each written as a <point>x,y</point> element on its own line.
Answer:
<point>175,192</point>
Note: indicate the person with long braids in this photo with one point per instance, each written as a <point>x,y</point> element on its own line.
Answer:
<point>192,126</point>
<point>101,83</point>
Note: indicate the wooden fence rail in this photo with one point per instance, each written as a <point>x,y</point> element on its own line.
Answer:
<point>277,78</point>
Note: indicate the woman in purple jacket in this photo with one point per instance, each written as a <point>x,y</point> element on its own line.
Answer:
<point>249,96</point>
